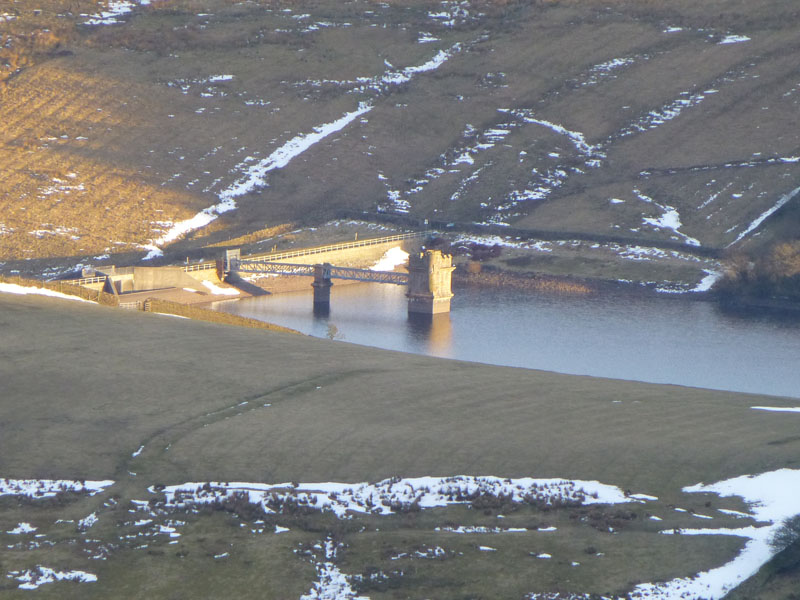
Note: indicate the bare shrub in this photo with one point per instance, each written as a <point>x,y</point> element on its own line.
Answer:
<point>775,273</point>
<point>603,519</point>
<point>787,534</point>
<point>239,504</point>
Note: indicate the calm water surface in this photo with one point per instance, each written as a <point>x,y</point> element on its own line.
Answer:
<point>659,340</point>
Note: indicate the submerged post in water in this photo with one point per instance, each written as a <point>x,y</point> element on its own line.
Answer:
<point>322,286</point>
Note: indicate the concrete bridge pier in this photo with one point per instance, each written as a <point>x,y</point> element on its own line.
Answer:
<point>429,282</point>
<point>322,286</point>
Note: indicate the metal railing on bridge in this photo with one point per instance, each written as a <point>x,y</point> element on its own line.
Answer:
<point>263,267</point>
<point>334,247</point>
<point>208,265</point>
<point>369,275</point>
<point>87,280</point>
<point>273,256</point>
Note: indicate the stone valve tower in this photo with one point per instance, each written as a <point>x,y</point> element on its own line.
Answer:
<point>429,282</point>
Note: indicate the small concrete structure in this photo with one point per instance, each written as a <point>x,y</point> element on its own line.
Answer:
<point>137,279</point>
<point>231,255</point>
<point>429,282</point>
<point>191,284</point>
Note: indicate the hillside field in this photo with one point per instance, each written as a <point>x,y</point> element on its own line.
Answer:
<point>577,145</point>
<point>140,401</point>
<point>136,128</point>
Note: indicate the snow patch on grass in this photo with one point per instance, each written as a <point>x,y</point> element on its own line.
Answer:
<point>393,258</point>
<point>480,529</point>
<point>392,495</point>
<point>733,39</point>
<point>496,240</point>
<point>765,215</point>
<point>30,579</point>
<point>331,583</point>
<point>21,528</point>
<point>544,180</point>
<point>606,70</point>
<point>88,521</point>
<point>13,288</point>
<point>392,77</point>
<point>220,291</point>
<point>669,219</point>
<point>667,112</point>
<point>769,503</point>
<point>116,9</point>
<point>646,497</point>
<point>255,177</point>
<point>576,137</point>
<point>45,488</point>
<point>707,282</point>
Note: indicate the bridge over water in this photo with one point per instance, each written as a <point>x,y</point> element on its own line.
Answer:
<point>428,278</point>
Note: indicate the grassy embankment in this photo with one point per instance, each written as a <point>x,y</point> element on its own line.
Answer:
<point>155,305</point>
<point>85,388</point>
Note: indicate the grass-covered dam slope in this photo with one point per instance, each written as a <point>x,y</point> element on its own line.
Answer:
<point>140,403</point>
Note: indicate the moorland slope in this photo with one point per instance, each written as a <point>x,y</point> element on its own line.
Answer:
<point>650,121</point>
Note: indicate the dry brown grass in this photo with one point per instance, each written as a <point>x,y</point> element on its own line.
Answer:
<point>161,140</point>
<point>33,32</point>
<point>59,177</point>
<point>255,236</point>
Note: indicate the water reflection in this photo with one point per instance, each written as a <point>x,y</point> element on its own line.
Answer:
<point>779,317</point>
<point>618,336</point>
<point>435,333</point>
<point>321,311</point>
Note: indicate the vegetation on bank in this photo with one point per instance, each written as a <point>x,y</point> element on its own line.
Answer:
<point>778,579</point>
<point>474,275</point>
<point>772,275</point>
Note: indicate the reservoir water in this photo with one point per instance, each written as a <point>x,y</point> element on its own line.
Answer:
<point>622,336</point>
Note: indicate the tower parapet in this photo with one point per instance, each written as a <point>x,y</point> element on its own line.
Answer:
<point>429,282</point>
